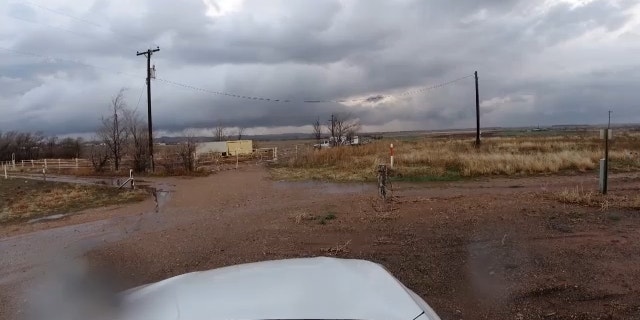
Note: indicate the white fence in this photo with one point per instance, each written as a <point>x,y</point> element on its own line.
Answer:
<point>201,161</point>
<point>48,164</point>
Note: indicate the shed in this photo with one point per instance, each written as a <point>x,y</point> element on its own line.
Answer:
<point>240,147</point>
<point>212,147</point>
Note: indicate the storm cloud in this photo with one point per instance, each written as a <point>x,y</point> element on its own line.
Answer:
<point>540,62</point>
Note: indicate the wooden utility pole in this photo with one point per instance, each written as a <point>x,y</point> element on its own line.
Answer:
<point>148,54</point>
<point>332,140</point>
<point>477,112</point>
<point>605,181</point>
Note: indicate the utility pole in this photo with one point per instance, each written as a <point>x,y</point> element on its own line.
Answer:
<point>148,54</point>
<point>606,156</point>
<point>333,123</point>
<point>477,112</point>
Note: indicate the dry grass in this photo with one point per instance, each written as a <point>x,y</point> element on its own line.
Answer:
<point>590,198</point>
<point>337,249</point>
<point>28,199</point>
<point>322,219</point>
<point>577,195</point>
<point>450,159</point>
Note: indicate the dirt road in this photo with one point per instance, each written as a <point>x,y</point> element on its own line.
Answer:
<point>490,249</point>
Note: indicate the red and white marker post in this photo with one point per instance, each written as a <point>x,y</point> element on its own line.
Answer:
<point>391,154</point>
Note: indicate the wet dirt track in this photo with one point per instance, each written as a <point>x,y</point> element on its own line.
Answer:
<point>489,249</point>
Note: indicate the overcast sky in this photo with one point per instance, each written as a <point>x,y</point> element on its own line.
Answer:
<point>540,62</point>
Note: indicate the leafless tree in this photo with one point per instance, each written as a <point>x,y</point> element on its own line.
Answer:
<point>346,125</point>
<point>78,147</point>
<point>343,125</point>
<point>240,132</point>
<point>99,155</point>
<point>50,146</point>
<point>68,148</point>
<point>138,135</point>
<point>317,129</point>
<point>186,152</point>
<point>27,145</point>
<point>113,132</point>
<point>220,133</point>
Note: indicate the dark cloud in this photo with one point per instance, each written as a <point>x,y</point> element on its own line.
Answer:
<point>540,62</point>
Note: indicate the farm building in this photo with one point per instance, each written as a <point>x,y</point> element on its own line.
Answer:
<point>212,147</point>
<point>240,147</point>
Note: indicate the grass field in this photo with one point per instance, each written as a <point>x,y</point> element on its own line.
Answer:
<point>451,158</point>
<point>22,199</point>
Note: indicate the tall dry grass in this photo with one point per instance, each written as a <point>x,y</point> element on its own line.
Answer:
<point>432,158</point>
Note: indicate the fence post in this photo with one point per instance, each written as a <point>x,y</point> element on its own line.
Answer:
<point>44,173</point>
<point>32,165</point>
<point>195,161</point>
<point>76,163</point>
<point>58,165</point>
<point>391,153</point>
<point>45,163</point>
<point>5,171</point>
<point>22,163</point>
<point>275,154</point>
<point>133,184</point>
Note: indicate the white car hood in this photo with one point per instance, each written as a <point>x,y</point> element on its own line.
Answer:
<point>309,288</point>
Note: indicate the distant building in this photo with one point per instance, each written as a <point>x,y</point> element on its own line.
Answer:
<point>231,148</point>
<point>240,147</point>
<point>212,147</point>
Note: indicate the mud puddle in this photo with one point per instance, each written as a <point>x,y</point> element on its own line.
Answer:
<point>328,187</point>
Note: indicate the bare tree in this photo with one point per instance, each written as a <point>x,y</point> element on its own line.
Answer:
<point>99,155</point>
<point>240,132</point>
<point>317,129</point>
<point>50,146</point>
<point>138,135</point>
<point>18,146</point>
<point>112,132</point>
<point>331,127</point>
<point>68,148</point>
<point>347,125</point>
<point>343,126</point>
<point>186,152</point>
<point>78,147</point>
<point>220,133</point>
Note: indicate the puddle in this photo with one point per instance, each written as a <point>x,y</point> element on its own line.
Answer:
<point>78,180</point>
<point>48,218</point>
<point>160,192</point>
<point>161,197</point>
<point>328,187</point>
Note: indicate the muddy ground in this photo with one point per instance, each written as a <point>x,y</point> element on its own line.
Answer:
<point>485,249</point>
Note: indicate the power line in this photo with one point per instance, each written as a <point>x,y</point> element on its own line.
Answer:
<point>81,34</point>
<point>89,22</point>
<point>37,55</point>
<point>372,98</point>
<point>61,13</point>
<point>139,98</point>
<point>49,25</point>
